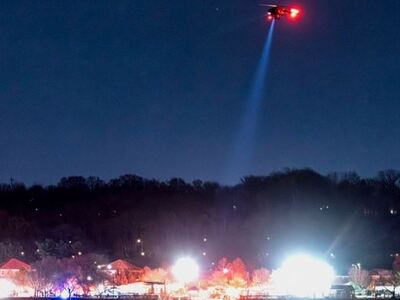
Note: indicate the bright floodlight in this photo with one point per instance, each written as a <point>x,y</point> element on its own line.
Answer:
<point>304,276</point>
<point>6,288</point>
<point>185,270</point>
<point>64,294</point>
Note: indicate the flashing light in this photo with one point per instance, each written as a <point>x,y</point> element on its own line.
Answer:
<point>185,270</point>
<point>304,276</point>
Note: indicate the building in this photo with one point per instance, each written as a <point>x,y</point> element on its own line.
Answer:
<point>123,272</point>
<point>12,267</point>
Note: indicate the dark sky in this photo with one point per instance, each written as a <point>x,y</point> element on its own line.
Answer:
<point>158,88</point>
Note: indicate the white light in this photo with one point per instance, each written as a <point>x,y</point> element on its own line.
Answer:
<point>64,294</point>
<point>304,276</point>
<point>225,270</point>
<point>6,288</point>
<point>185,270</point>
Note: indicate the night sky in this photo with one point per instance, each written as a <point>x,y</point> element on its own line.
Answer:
<point>158,88</point>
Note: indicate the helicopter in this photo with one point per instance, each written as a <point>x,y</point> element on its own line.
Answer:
<point>278,11</point>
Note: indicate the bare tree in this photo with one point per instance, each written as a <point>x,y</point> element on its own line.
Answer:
<point>42,275</point>
<point>260,276</point>
<point>392,282</point>
<point>359,276</point>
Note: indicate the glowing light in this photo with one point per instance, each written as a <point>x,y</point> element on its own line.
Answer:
<point>233,293</point>
<point>294,12</point>
<point>64,294</point>
<point>6,288</point>
<point>304,276</point>
<point>142,253</point>
<point>225,270</point>
<point>138,241</point>
<point>185,270</point>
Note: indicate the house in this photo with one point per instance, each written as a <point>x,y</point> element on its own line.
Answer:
<point>123,272</point>
<point>121,264</point>
<point>12,267</point>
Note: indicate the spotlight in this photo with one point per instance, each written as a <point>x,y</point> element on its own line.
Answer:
<point>304,276</point>
<point>6,288</point>
<point>185,270</point>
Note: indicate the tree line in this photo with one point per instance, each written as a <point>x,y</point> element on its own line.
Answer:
<point>263,218</point>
